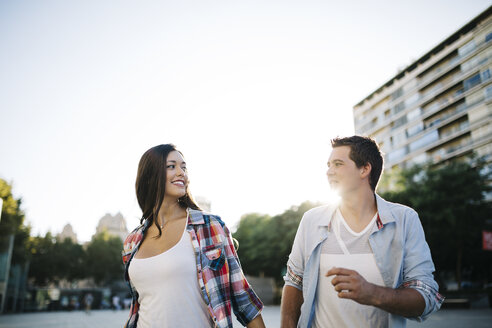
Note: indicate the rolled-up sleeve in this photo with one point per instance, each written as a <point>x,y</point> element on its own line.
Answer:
<point>295,265</point>
<point>245,303</point>
<point>418,267</point>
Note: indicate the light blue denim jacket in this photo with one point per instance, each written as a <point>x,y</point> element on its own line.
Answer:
<point>400,250</point>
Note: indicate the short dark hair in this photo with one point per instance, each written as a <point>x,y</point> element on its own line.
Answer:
<point>150,184</point>
<point>363,150</point>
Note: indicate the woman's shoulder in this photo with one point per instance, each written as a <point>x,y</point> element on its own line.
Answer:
<point>133,237</point>
<point>204,217</point>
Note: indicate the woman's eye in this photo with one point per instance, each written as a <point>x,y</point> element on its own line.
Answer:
<point>170,166</point>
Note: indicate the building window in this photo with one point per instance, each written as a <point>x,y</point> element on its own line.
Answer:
<point>397,154</point>
<point>414,114</point>
<point>397,94</point>
<point>485,75</point>
<point>488,37</point>
<point>398,139</point>
<point>411,131</point>
<point>467,48</point>
<point>472,81</point>
<point>399,107</point>
<point>425,140</point>
<point>488,92</point>
<point>399,122</point>
<point>412,100</point>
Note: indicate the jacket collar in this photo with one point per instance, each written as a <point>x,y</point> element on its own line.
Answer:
<point>384,211</point>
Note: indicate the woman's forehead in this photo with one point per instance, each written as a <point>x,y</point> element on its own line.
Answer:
<point>175,156</point>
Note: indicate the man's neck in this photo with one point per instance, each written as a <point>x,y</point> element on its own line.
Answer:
<point>358,208</point>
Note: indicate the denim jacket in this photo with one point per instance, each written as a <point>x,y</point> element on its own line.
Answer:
<point>400,250</point>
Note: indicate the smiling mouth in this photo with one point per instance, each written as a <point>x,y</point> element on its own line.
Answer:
<point>179,183</point>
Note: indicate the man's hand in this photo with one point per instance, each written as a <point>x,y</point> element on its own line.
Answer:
<point>351,285</point>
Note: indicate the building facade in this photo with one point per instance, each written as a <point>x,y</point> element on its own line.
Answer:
<point>113,225</point>
<point>438,108</point>
<point>68,232</point>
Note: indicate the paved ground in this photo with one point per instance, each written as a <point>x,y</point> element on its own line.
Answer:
<point>475,318</point>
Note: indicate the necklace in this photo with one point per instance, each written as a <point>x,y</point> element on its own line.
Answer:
<point>163,224</point>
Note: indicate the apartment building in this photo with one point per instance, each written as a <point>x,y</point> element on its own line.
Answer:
<point>439,107</point>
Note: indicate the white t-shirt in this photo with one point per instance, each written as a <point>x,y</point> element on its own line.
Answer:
<point>351,250</point>
<point>168,290</point>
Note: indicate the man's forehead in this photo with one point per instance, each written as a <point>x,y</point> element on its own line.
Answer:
<point>341,153</point>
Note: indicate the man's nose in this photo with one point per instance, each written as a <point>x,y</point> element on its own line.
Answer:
<point>329,171</point>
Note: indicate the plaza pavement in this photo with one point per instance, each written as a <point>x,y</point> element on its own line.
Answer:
<point>475,318</point>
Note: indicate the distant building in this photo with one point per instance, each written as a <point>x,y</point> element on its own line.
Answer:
<point>114,225</point>
<point>68,232</point>
<point>439,108</point>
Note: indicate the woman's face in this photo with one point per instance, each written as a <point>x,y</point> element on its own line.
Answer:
<point>176,175</point>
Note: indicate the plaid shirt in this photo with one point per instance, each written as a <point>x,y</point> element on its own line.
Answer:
<point>219,272</point>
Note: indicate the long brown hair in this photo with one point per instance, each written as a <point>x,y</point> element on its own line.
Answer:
<point>150,184</point>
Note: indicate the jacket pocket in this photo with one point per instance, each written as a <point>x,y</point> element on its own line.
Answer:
<point>213,256</point>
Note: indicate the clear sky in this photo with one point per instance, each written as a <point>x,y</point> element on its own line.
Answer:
<point>250,91</point>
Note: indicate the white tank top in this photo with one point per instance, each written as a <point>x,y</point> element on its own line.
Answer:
<point>168,290</point>
<point>347,249</point>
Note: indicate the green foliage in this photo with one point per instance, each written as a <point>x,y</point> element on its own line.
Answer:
<point>12,222</point>
<point>103,258</point>
<point>53,259</point>
<point>265,242</point>
<point>42,267</point>
<point>69,263</point>
<point>450,202</point>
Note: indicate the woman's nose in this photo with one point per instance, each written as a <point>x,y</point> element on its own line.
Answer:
<point>181,172</point>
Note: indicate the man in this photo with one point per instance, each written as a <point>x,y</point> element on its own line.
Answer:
<point>363,262</point>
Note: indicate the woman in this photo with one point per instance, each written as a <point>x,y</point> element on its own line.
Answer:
<point>180,263</point>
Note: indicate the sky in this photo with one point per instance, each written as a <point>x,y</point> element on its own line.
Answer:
<point>250,91</point>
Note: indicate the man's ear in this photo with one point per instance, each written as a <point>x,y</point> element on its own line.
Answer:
<point>365,170</point>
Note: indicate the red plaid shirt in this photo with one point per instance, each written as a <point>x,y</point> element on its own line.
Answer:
<point>219,272</point>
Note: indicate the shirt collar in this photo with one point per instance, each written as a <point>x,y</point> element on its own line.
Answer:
<point>196,217</point>
<point>384,214</point>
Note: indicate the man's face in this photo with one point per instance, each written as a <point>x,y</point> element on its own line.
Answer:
<point>343,174</point>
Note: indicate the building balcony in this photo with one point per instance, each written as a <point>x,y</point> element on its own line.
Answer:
<point>442,139</point>
<point>456,61</point>
<point>427,96</point>
<point>368,127</point>
<point>439,106</point>
<point>447,153</point>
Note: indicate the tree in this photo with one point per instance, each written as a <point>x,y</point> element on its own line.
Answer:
<point>69,260</point>
<point>265,242</point>
<point>103,258</point>
<point>12,223</point>
<point>43,262</point>
<point>451,205</point>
